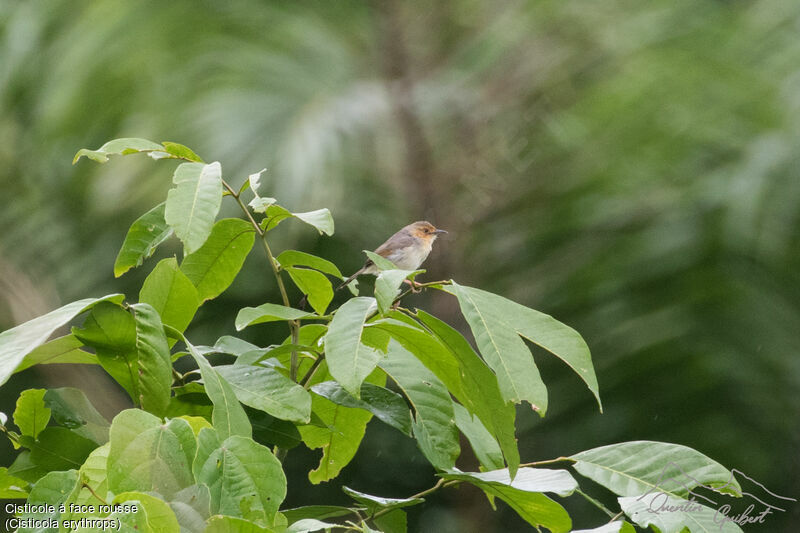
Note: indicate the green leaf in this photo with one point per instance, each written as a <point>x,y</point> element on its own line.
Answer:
<point>12,488</point>
<point>289,258</point>
<point>338,430</point>
<point>52,490</point>
<point>171,294</point>
<point>194,203</point>
<point>381,262</point>
<point>501,347</point>
<point>321,219</point>
<point>154,362</point>
<point>151,514</point>
<point>640,467</point>
<point>307,525</point>
<point>472,383</point>
<point>94,473</point>
<point>228,416</point>
<point>350,361</point>
<point>66,349</point>
<point>233,345</point>
<point>387,286</point>
<point>260,204</point>
<point>268,390</point>
<point>244,478</point>
<point>17,342</point>
<point>71,408</point>
<point>483,444</point>
<point>392,522</point>
<point>268,313</point>
<point>230,524</point>
<point>31,416</point>
<point>386,405</point>
<point>524,493</point>
<point>539,328</point>
<point>179,150</point>
<point>377,503</point>
<point>146,455</point>
<point>271,431</point>
<point>434,423</point>
<point>215,265</point>
<point>58,448</point>
<point>123,146</point>
<point>145,234</point>
<point>313,284</point>
<point>192,507</point>
<point>671,514</point>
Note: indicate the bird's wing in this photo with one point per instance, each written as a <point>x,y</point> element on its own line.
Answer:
<point>398,241</point>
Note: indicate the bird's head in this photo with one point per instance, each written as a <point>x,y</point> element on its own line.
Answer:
<point>425,231</point>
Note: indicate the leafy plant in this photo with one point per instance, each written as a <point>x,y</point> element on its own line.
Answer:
<point>186,457</point>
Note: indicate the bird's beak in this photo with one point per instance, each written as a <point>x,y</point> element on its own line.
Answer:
<point>438,231</point>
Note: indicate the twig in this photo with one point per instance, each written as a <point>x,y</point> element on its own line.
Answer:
<point>311,371</point>
<point>86,485</point>
<point>618,515</point>
<point>547,462</point>
<point>422,286</point>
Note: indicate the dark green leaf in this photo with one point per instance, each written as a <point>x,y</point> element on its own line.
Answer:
<point>215,265</point>
<point>179,150</point>
<point>434,423</point>
<point>58,448</point>
<point>483,444</point>
<point>17,342</point>
<point>154,365</point>
<point>377,503</point>
<point>52,490</point>
<point>194,203</point>
<point>392,522</point>
<point>383,403</point>
<point>71,409</point>
<point>230,524</point>
<point>66,349</point>
<point>142,239</point>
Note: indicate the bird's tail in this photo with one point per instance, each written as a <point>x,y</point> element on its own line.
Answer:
<point>346,282</point>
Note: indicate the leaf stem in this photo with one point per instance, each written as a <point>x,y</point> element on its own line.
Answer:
<point>439,484</point>
<point>294,325</point>
<point>311,371</point>
<point>547,462</point>
<point>597,504</point>
<point>86,485</point>
<point>419,286</point>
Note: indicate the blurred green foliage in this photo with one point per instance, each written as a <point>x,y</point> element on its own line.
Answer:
<point>629,167</point>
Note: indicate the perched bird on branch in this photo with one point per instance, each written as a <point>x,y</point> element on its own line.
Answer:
<point>407,249</point>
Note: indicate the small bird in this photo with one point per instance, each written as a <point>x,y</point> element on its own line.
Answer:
<point>407,249</point>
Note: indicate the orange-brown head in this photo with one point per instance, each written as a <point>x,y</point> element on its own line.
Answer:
<point>424,230</point>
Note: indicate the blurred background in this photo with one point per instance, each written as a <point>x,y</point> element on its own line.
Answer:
<point>631,168</point>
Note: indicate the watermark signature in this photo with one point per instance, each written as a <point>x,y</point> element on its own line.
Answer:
<point>677,493</point>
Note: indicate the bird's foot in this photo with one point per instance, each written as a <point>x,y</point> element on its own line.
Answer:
<point>415,288</point>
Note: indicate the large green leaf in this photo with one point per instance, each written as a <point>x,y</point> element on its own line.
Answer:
<point>524,493</point>
<point>244,478</point>
<point>386,405</point>
<point>123,146</point>
<point>49,492</point>
<point>66,349</point>
<point>671,514</point>
<point>192,507</point>
<point>231,524</point>
<point>268,313</point>
<point>338,430</point>
<point>387,286</point>
<point>472,383</point>
<point>349,360</point>
<point>228,416</point>
<point>268,390</point>
<point>149,514</point>
<point>171,294</point>
<point>181,151</point>
<point>58,448</point>
<point>146,455</point>
<point>154,362</point>
<point>19,341</point>
<point>483,444</point>
<point>142,239</point>
<point>194,203</point>
<point>288,258</point>
<point>641,467</point>
<point>31,415</point>
<point>434,423</point>
<point>71,408</point>
<point>314,285</point>
<point>495,321</point>
<point>215,265</point>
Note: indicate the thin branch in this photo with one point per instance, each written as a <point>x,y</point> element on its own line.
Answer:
<point>618,515</point>
<point>439,484</point>
<point>549,461</point>
<point>419,286</point>
<point>311,371</point>
<point>86,485</point>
